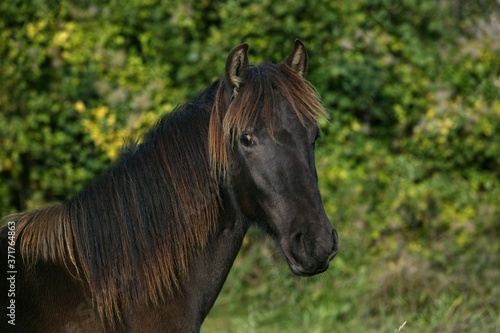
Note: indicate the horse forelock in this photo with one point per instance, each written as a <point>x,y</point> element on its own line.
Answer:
<point>260,97</point>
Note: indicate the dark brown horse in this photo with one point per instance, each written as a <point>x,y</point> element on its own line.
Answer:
<point>148,246</point>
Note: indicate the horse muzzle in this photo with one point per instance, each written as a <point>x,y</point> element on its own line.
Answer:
<point>308,254</point>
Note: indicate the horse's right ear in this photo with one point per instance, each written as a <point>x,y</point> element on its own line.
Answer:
<point>237,67</point>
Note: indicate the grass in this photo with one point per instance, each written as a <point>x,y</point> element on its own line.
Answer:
<point>400,289</point>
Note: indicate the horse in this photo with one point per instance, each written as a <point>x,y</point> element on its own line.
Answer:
<point>147,246</point>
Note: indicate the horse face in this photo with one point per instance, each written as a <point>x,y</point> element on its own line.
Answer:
<point>272,170</point>
<point>278,188</point>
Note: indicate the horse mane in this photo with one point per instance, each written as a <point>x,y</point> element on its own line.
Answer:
<point>130,235</point>
<point>266,86</point>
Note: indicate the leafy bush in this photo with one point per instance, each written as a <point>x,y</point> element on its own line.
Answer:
<point>408,164</point>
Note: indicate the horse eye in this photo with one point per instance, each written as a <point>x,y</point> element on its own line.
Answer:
<point>247,140</point>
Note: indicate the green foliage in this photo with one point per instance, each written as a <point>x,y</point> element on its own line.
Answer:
<point>408,165</point>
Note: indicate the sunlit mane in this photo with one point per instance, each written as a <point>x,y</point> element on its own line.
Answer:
<point>130,235</point>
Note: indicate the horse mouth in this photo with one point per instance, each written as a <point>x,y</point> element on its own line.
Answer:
<point>300,272</point>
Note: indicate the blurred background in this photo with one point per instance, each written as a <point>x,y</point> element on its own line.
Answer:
<point>408,163</point>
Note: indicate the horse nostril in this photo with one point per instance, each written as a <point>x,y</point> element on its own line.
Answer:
<point>298,245</point>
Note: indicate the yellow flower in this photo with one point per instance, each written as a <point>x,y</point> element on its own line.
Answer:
<point>79,106</point>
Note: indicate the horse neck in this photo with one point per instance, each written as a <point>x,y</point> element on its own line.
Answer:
<point>212,266</point>
<point>149,215</point>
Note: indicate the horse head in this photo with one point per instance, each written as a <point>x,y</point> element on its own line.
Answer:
<point>268,115</point>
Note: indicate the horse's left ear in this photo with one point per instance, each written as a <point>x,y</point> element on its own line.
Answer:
<point>297,60</point>
<point>237,66</point>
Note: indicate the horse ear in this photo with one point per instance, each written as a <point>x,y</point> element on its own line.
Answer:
<point>237,66</point>
<point>297,60</point>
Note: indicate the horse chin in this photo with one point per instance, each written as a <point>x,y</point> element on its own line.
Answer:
<point>297,271</point>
